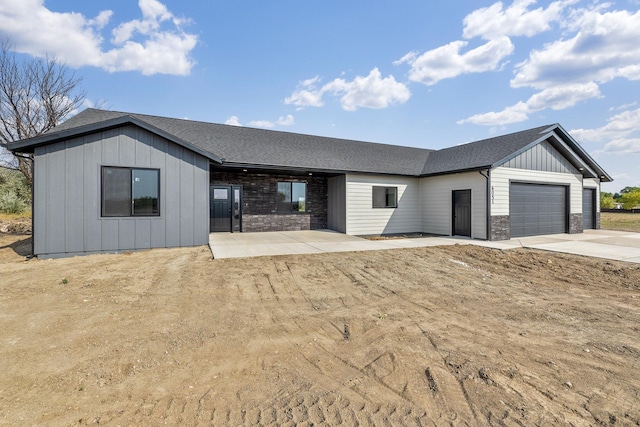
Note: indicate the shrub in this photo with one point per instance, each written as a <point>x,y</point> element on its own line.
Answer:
<point>11,203</point>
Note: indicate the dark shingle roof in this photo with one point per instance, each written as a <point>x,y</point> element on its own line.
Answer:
<point>290,151</point>
<point>481,154</point>
<point>243,145</point>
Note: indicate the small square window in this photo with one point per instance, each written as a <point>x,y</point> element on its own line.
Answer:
<point>385,197</point>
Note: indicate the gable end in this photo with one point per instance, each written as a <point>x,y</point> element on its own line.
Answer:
<point>542,157</point>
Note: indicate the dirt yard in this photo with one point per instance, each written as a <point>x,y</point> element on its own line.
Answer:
<point>455,335</point>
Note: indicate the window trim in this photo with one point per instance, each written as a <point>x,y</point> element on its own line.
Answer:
<point>386,195</point>
<point>131,213</point>
<point>291,211</point>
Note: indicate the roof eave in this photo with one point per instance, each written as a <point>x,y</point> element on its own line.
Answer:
<point>580,158</point>
<point>28,145</point>
<point>456,171</point>
<point>298,169</point>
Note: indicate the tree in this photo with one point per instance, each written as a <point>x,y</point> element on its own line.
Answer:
<point>630,199</point>
<point>626,190</point>
<point>35,95</point>
<point>606,201</point>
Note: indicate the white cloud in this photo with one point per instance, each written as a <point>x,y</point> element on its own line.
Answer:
<point>623,146</point>
<point>262,124</point>
<point>371,91</point>
<point>233,121</point>
<point>604,46</point>
<point>154,44</point>
<point>620,134</point>
<point>446,61</point>
<point>287,120</point>
<point>306,95</point>
<point>618,128</point>
<point>600,46</point>
<point>556,98</point>
<point>496,21</point>
<point>495,24</point>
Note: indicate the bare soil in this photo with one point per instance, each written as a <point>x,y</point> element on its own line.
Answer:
<point>455,335</point>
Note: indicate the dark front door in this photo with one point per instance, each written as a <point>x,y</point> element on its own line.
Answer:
<point>462,213</point>
<point>225,208</point>
<point>220,208</point>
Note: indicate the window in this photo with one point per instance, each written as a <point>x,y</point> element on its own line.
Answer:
<point>385,197</point>
<point>291,197</point>
<point>130,192</point>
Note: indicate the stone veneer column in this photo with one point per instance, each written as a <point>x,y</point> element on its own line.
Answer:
<point>500,227</point>
<point>575,223</point>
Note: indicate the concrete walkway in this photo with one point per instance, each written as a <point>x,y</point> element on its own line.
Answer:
<point>613,245</point>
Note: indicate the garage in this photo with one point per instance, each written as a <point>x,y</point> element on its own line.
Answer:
<point>588,211</point>
<point>537,209</point>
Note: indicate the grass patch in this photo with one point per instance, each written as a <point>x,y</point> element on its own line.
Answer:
<point>9,217</point>
<point>620,221</point>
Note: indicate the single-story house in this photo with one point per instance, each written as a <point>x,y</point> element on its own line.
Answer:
<point>108,181</point>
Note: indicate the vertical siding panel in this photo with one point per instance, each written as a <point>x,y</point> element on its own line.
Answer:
<point>74,200</point>
<point>201,201</point>
<point>143,233</point>
<point>336,216</point>
<point>92,193</point>
<point>172,196</point>
<point>56,206</point>
<point>158,237</point>
<point>158,159</point>
<point>40,206</point>
<point>127,147</point>
<point>143,149</point>
<point>109,145</point>
<point>109,229</point>
<point>126,233</point>
<point>186,206</point>
<point>67,195</point>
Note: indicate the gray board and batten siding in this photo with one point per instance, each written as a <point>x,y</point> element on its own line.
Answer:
<point>542,157</point>
<point>67,199</point>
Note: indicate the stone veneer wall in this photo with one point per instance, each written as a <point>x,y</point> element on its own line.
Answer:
<point>597,220</point>
<point>575,223</point>
<point>500,227</point>
<point>259,192</point>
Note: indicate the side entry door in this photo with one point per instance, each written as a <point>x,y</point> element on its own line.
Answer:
<point>462,213</point>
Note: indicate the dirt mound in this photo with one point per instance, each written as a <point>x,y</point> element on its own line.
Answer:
<point>20,226</point>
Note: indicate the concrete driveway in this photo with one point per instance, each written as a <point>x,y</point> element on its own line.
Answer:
<point>613,245</point>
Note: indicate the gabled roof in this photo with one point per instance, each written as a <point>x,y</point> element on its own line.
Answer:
<point>493,152</point>
<point>235,145</point>
<point>258,148</point>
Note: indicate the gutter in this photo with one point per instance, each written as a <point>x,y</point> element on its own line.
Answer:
<point>488,200</point>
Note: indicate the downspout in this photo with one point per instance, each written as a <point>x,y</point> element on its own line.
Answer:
<point>488,200</point>
<point>33,200</point>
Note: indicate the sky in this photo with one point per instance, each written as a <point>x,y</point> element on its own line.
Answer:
<point>430,74</point>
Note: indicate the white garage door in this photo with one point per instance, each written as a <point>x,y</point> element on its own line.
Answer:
<point>536,209</point>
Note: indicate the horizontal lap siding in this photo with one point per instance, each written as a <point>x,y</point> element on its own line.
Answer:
<point>363,219</point>
<point>500,178</point>
<point>437,203</point>
<point>67,179</point>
